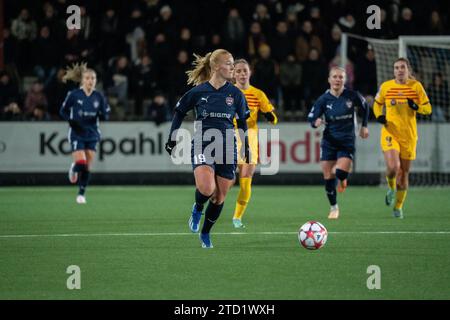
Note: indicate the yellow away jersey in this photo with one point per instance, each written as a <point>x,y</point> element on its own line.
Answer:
<point>257,101</point>
<point>401,119</point>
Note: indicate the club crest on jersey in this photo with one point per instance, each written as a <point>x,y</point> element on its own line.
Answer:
<point>349,104</point>
<point>96,104</point>
<point>229,101</point>
<point>393,102</point>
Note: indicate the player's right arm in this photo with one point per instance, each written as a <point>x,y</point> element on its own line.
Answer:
<point>378,104</point>
<point>314,116</point>
<point>64,111</point>
<point>181,109</point>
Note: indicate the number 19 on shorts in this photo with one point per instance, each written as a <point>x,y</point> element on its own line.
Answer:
<point>199,158</point>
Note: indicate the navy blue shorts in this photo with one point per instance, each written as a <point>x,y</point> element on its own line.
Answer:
<point>222,167</point>
<point>332,152</point>
<point>77,144</point>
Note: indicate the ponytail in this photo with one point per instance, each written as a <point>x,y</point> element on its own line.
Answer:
<point>203,66</point>
<point>75,72</point>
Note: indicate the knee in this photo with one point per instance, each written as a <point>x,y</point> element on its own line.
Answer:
<point>393,169</point>
<point>206,188</point>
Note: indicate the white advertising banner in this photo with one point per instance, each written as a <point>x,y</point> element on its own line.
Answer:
<point>139,147</point>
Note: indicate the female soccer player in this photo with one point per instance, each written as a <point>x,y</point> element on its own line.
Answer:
<point>83,108</point>
<point>216,103</point>
<point>402,97</point>
<point>257,102</point>
<point>337,147</point>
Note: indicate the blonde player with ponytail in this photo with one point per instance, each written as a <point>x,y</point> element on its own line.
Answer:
<point>395,107</point>
<point>216,102</point>
<point>83,108</point>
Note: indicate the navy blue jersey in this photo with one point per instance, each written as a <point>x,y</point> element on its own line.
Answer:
<point>340,115</point>
<point>214,108</point>
<point>85,111</point>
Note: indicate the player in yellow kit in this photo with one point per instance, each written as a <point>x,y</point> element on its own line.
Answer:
<point>257,102</point>
<point>402,98</point>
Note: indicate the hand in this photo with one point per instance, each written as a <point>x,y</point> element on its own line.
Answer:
<point>364,132</point>
<point>74,125</point>
<point>382,119</point>
<point>412,105</point>
<point>271,117</point>
<point>169,146</point>
<point>318,122</point>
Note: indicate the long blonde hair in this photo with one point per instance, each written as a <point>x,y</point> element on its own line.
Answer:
<point>203,66</point>
<point>76,71</point>
<point>410,70</point>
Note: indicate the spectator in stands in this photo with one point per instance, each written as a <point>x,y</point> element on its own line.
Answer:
<point>262,16</point>
<point>281,43</point>
<point>290,79</point>
<point>135,36</point>
<point>50,20</point>
<point>9,91</point>
<point>178,77</point>
<point>315,77</point>
<point>109,36</point>
<point>165,23</point>
<point>144,82</point>
<point>435,24</point>
<point>34,98</point>
<point>438,92</point>
<point>265,74</point>
<point>158,110</point>
<point>215,42</point>
<point>333,44</point>
<point>185,40</point>
<point>305,41</point>
<point>255,39</point>
<point>39,114</point>
<point>406,24</point>
<point>46,55</point>
<point>11,112</point>
<point>234,32</point>
<point>117,82</point>
<point>366,73</point>
<point>24,29</point>
<point>347,23</point>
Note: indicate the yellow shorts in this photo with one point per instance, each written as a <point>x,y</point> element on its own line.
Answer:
<point>389,142</point>
<point>252,143</point>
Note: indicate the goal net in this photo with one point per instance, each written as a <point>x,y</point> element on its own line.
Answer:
<point>430,60</point>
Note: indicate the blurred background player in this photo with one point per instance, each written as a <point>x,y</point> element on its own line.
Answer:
<point>337,147</point>
<point>83,108</point>
<point>257,102</point>
<point>216,103</point>
<point>402,97</point>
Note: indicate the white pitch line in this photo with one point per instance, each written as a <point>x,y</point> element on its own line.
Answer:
<point>63,235</point>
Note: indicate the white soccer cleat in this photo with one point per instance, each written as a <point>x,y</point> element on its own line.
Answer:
<point>334,213</point>
<point>73,176</point>
<point>81,199</point>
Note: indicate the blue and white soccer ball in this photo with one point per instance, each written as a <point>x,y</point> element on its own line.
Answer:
<point>312,235</point>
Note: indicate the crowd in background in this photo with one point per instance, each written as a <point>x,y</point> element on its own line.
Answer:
<point>141,50</point>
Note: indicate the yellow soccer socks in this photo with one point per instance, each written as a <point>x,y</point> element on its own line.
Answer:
<point>245,193</point>
<point>400,198</point>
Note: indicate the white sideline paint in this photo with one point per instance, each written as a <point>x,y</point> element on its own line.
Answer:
<point>149,234</point>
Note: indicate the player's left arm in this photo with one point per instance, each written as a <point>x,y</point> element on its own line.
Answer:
<point>316,113</point>
<point>423,105</point>
<point>362,103</point>
<point>267,109</point>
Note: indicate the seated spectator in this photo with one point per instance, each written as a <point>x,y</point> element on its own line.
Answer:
<point>39,114</point>
<point>11,112</point>
<point>305,41</point>
<point>438,92</point>
<point>144,82</point>
<point>265,74</point>
<point>9,91</point>
<point>315,77</point>
<point>290,79</point>
<point>158,110</point>
<point>117,82</point>
<point>35,97</point>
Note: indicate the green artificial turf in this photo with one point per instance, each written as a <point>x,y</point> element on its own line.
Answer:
<point>134,243</point>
